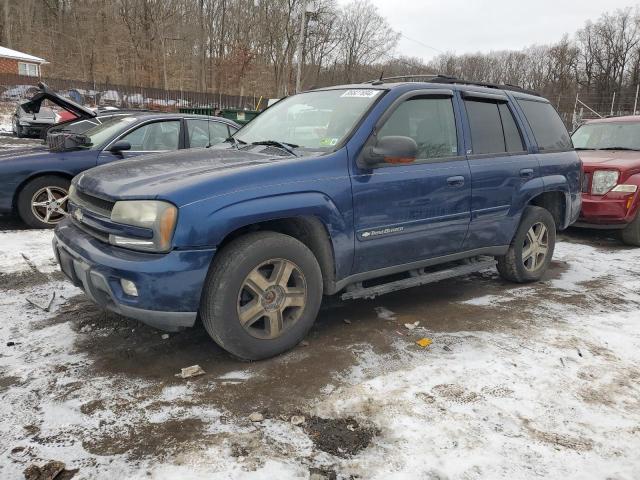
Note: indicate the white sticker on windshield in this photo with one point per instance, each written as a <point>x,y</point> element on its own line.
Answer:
<point>360,93</point>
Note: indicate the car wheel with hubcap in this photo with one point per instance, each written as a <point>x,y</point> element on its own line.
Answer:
<point>42,203</point>
<point>262,295</point>
<point>531,250</point>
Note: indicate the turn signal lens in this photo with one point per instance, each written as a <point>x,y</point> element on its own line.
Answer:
<point>625,188</point>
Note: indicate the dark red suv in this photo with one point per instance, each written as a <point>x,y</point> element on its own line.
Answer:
<point>610,153</point>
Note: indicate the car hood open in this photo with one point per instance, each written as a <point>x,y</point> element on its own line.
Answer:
<point>45,93</point>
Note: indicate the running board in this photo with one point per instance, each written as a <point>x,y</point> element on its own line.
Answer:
<point>418,277</point>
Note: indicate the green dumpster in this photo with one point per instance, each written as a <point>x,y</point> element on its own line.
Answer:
<point>239,116</point>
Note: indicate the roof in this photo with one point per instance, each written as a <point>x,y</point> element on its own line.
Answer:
<point>14,54</point>
<point>453,85</point>
<point>627,118</point>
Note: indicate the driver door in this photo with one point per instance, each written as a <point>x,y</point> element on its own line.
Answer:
<point>406,213</point>
<point>152,137</point>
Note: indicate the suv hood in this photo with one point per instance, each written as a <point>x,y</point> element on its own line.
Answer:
<point>45,93</point>
<point>623,160</point>
<point>161,175</point>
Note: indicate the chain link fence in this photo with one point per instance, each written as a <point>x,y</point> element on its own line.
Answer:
<point>94,94</point>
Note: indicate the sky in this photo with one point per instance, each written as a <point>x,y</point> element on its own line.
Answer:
<point>431,27</point>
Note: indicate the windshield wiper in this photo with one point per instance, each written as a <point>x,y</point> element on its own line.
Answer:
<point>288,147</point>
<point>618,148</point>
<point>583,148</point>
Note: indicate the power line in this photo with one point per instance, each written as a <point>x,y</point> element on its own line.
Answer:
<point>421,43</point>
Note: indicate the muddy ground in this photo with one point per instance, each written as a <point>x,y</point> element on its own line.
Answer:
<point>106,398</point>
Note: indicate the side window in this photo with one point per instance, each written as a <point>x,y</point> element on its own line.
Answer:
<point>164,135</point>
<point>198,133</point>
<point>218,131</point>
<point>486,127</point>
<point>430,122</point>
<point>512,137</point>
<point>550,132</point>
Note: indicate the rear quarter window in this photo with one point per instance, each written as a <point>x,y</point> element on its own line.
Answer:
<point>548,129</point>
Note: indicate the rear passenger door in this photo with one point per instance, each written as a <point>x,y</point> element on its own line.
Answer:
<point>559,163</point>
<point>501,168</point>
<point>409,212</point>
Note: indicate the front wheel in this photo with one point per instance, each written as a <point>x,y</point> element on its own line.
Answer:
<point>262,295</point>
<point>42,203</point>
<point>631,233</point>
<point>531,249</point>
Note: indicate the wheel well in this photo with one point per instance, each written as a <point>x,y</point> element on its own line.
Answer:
<point>554,202</point>
<point>309,230</point>
<point>33,177</point>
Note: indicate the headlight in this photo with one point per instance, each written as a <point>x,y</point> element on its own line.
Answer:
<point>603,181</point>
<point>160,217</point>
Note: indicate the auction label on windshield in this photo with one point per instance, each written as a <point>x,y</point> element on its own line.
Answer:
<point>360,93</point>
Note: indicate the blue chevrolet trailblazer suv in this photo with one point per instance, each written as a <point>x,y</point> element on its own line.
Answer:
<point>355,190</point>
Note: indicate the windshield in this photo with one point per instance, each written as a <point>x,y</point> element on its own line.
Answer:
<point>609,135</point>
<point>104,131</point>
<point>312,120</point>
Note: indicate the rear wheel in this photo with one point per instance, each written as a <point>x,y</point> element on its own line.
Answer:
<point>42,203</point>
<point>262,295</point>
<point>531,249</point>
<point>631,233</point>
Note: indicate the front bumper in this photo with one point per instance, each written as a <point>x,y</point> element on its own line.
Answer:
<point>169,285</point>
<point>611,211</point>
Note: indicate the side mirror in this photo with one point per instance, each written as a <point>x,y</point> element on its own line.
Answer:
<point>120,146</point>
<point>393,150</point>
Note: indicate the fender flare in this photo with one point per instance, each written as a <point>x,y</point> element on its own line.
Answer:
<point>219,224</point>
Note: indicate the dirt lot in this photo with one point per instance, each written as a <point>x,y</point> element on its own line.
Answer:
<point>527,381</point>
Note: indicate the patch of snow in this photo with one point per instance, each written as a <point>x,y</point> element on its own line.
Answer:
<point>34,244</point>
<point>237,375</point>
<point>384,313</point>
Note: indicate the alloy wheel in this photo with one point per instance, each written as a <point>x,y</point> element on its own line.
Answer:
<point>49,204</point>
<point>272,298</point>
<point>536,247</point>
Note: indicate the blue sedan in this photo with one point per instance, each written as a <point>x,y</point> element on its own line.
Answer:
<point>34,183</point>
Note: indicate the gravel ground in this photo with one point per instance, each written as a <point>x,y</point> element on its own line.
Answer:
<point>522,382</point>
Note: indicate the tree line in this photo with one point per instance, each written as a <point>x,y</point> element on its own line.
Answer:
<point>249,47</point>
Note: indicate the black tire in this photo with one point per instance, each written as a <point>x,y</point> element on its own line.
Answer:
<point>34,188</point>
<point>19,132</point>
<point>512,266</point>
<point>631,233</point>
<point>225,286</point>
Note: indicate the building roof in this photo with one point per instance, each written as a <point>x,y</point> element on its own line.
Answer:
<point>14,54</point>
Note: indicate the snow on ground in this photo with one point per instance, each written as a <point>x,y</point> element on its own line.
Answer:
<point>550,390</point>
<point>22,250</point>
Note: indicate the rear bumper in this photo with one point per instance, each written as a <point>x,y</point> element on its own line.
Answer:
<point>169,285</point>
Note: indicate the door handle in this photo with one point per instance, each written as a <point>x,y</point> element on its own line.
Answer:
<point>456,181</point>
<point>526,173</point>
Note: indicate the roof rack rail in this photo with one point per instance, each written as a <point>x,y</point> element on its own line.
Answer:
<point>446,79</point>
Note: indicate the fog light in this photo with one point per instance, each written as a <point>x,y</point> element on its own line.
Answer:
<point>129,287</point>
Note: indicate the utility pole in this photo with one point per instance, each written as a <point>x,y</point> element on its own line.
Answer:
<point>612,102</point>
<point>301,42</point>
<point>635,105</point>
